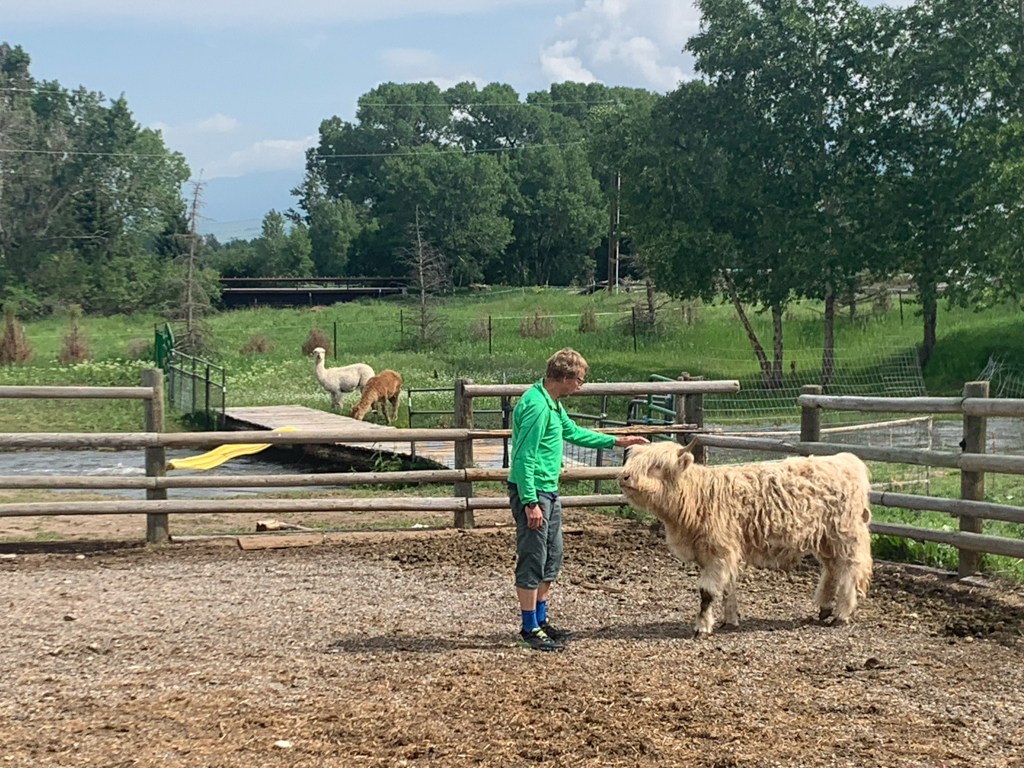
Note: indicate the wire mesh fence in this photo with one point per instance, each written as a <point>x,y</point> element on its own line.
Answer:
<point>197,388</point>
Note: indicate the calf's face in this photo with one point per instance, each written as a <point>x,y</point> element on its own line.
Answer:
<point>653,472</point>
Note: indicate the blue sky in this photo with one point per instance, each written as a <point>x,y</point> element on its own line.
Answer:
<point>240,86</point>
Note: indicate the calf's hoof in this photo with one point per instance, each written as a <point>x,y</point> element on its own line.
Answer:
<point>824,614</point>
<point>699,633</point>
<point>835,621</point>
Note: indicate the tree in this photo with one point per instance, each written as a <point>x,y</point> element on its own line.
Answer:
<point>85,193</point>
<point>957,91</point>
<point>195,285</point>
<point>428,269</point>
<point>280,253</point>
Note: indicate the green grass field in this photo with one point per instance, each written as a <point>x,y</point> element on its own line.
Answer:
<point>482,340</point>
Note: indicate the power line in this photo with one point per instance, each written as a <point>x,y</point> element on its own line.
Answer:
<point>13,151</point>
<point>450,105</point>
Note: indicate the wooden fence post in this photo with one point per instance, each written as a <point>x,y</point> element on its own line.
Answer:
<point>693,413</point>
<point>972,484</point>
<point>463,449</point>
<point>599,459</point>
<point>157,529</point>
<point>810,417</point>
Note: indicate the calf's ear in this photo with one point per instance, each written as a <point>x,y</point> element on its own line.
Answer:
<point>685,460</point>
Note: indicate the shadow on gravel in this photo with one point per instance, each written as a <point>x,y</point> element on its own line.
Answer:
<point>447,644</point>
<point>674,630</point>
<point>66,547</point>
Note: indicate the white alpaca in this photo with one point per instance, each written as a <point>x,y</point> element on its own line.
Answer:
<point>337,381</point>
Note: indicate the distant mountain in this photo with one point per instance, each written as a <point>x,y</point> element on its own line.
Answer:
<point>235,207</point>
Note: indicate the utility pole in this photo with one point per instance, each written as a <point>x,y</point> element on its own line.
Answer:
<point>197,196</point>
<point>613,236</point>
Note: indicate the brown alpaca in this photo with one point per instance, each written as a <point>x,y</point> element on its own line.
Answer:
<point>384,388</point>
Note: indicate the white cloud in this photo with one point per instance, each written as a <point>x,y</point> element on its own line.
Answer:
<point>557,63</point>
<point>421,65</point>
<point>218,124</point>
<point>635,42</point>
<point>221,146</point>
<point>266,155</point>
<point>238,12</point>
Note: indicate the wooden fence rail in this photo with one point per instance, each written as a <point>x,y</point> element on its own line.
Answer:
<point>196,506</point>
<point>976,407</point>
<point>77,393</point>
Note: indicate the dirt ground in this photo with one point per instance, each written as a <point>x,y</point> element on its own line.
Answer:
<point>384,649</point>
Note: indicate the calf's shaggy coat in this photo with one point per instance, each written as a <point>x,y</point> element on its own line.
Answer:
<point>384,388</point>
<point>769,514</point>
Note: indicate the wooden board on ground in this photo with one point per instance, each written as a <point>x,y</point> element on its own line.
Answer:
<point>280,542</point>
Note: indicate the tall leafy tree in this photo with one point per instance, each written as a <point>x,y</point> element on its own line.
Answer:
<point>85,196</point>
<point>958,95</point>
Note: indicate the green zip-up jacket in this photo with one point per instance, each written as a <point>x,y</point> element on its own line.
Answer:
<point>539,426</point>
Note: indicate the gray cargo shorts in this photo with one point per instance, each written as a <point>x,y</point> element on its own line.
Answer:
<point>539,551</point>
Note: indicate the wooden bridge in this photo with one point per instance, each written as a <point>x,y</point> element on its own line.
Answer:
<point>293,292</point>
<point>487,454</point>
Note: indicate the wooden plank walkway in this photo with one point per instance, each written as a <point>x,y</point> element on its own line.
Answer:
<point>487,454</point>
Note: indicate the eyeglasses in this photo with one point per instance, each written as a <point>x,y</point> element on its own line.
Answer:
<point>580,381</point>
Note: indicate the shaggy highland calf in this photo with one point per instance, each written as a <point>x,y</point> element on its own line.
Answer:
<point>384,388</point>
<point>769,514</point>
<point>338,381</point>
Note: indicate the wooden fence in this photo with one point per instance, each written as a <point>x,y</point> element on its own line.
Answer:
<point>155,441</point>
<point>975,406</point>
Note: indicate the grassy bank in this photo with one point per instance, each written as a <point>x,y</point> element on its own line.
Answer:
<point>483,340</point>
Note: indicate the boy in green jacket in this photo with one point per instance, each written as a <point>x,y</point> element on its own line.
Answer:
<point>539,427</point>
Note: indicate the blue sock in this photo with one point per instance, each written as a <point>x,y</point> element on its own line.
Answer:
<point>530,621</point>
<point>542,611</point>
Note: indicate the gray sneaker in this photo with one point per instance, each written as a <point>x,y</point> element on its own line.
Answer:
<point>556,633</point>
<point>538,641</point>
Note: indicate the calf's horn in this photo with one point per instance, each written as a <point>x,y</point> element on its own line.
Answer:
<point>688,448</point>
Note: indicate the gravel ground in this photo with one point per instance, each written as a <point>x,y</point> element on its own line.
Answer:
<point>397,650</point>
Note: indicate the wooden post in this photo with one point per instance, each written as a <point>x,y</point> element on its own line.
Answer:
<point>634,329</point>
<point>489,347</point>
<point>506,422</point>
<point>335,339</point>
<point>157,530</point>
<point>810,417</point>
<point>463,449</point>
<point>972,484</point>
<point>207,424</point>
<point>692,413</point>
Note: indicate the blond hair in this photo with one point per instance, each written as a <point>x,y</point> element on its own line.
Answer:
<point>565,364</point>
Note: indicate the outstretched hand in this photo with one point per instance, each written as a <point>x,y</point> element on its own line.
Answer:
<point>624,441</point>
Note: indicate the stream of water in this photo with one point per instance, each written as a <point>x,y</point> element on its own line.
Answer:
<point>133,463</point>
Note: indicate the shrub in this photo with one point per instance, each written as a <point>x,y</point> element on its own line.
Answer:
<point>75,347</point>
<point>259,344</point>
<point>140,349</point>
<point>588,321</point>
<point>537,326</point>
<point>317,338</point>
<point>14,347</point>
<point>480,329</point>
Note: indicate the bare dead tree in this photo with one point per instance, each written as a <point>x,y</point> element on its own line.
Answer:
<point>428,269</point>
<point>195,300</point>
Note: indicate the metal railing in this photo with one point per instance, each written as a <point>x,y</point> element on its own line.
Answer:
<point>197,388</point>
